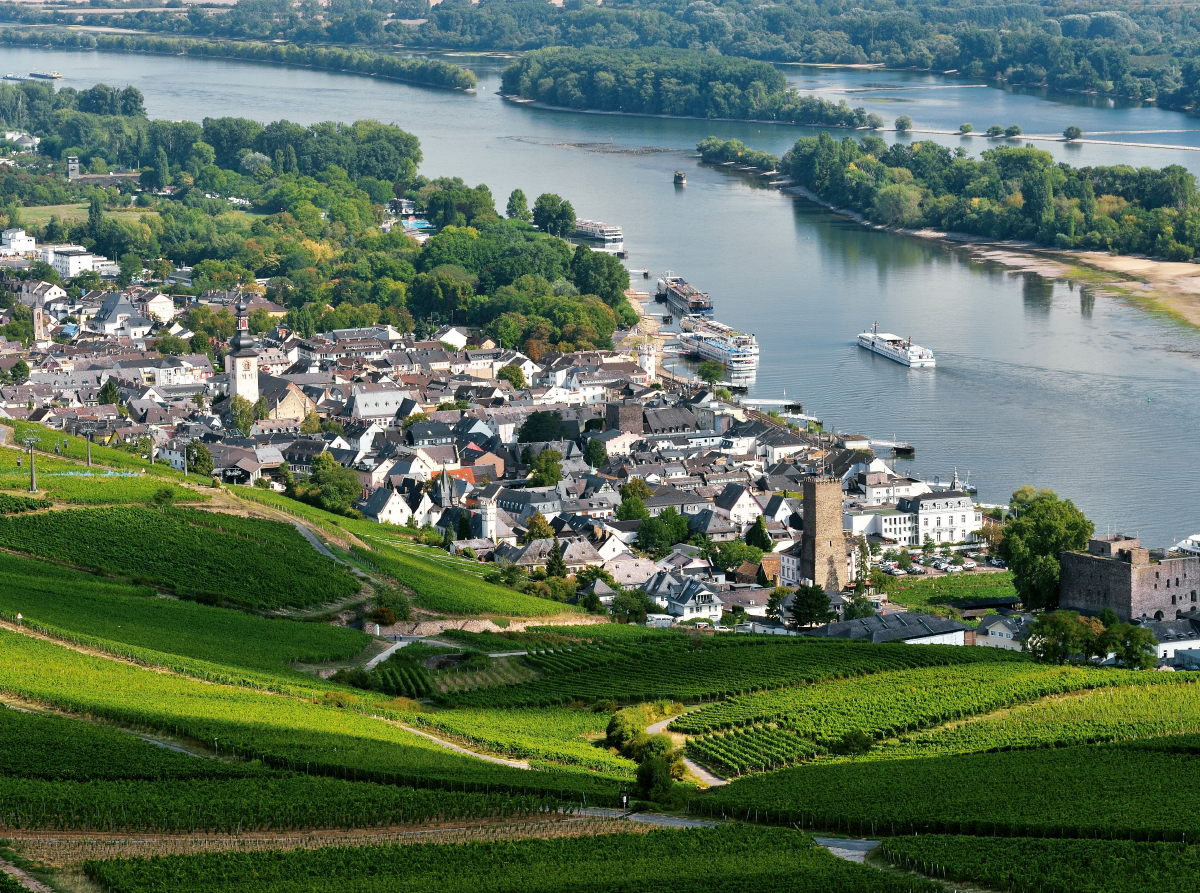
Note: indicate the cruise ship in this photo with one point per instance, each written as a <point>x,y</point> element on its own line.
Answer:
<point>600,232</point>
<point>682,298</point>
<point>712,340</point>
<point>896,348</point>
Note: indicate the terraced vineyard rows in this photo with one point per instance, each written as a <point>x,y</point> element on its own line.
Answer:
<point>68,600</point>
<point>683,861</point>
<point>1104,715</point>
<point>437,587</point>
<point>258,564</point>
<point>559,735</point>
<point>282,732</point>
<point>885,705</point>
<point>1049,866</point>
<point>1118,791</point>
<point>682,669</point>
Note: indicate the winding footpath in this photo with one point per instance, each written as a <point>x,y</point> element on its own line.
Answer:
<point>712,781</point>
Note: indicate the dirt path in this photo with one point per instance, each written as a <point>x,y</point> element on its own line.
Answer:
<point>712,781</point>
<point>442,742</point>
<point>25,880</point>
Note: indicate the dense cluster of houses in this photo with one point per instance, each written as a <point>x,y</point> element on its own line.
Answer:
<point>433,430</point>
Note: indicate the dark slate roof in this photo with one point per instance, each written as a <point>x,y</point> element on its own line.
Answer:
<point>890,628</point>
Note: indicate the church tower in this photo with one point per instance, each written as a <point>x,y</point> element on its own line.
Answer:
<point>242,360</point>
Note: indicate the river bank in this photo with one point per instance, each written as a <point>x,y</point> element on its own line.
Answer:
<point>1166,287</point>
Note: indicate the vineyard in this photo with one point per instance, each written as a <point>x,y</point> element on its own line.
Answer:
<point>264,565</point>
<point>885,705</point>
<point>705,669</point>
<point>330,737</point>
<point>80,603</point>
<point>74,447</point>
<point>101,488</point>
<point>544,637</point>
<point>661,861</point>
<point>557,735</point>
<point>1104,715</point>
<point>442,588</point>
<point>1044,866</point>
<point>1117,791</point>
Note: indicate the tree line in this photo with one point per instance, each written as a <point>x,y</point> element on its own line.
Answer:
<point>1139,51</point>
<point>685,83</point>
<point>1007,193</point>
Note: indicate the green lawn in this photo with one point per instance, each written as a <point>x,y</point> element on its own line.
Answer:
<point>926,592</point>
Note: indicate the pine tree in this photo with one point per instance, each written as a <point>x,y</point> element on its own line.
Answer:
<point>464,527</point>
<point>757,536</point>
<point>109,395</point>
<point>555,566</point>
<point>289,160</point>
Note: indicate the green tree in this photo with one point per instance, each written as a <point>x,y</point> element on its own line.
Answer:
<point>241,414</point>
<point>757,535</point>
<point>1057,637</point>
<point>811,606</point>
<point>897,204</point>
<point>965,128</point>
<point>518,207</point>
<point>542,426</point>
<point>109,394</point>
<point>655,536</point>
<point>1013,130</point>
<point>632,606</point>
<point>904,124</point>
<point>995,130</point>
<point>553,215</point>
<point>594,453</point>
<point>164,496</point>
<point>464,527</point>
<point>547,468</point>
<point>513,375</point>
<point>636,487</point>
<point>775,602</point>
<point>1108,617</point>
<point>162,170</point>
<point>1135,646</point>
<point>858,608</point>
<point>632,509</point>
<point>732,555</point>
<point>1072,133</point>
<point>261,409</point>
<point>95,217</point>
<point>537,528</point>
<point>199,459</point>
<point>130,266</point>
<point>171,345</point>
<point>555,567</point>
<point>311,424</point>
<point>711,371</point>
<point>336,487</point>
<point>1033,542</point>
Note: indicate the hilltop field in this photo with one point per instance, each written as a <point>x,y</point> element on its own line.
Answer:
<point>192,704</point>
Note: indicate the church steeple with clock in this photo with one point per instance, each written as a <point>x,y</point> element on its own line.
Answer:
<point>242,360</point>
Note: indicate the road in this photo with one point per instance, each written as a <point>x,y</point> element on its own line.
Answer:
<point>441,742</point>
<point>850,850</point>
<point>713,781</point>
<point>645,818</point>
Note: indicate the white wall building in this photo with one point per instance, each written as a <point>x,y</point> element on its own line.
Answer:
<point>14,242</point>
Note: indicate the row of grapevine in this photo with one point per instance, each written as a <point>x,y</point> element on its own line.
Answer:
<point>756,750</point>
<point>1101,791</point>
<point>682,861</point>
<point>411,682</point>
<point>1027,865</point>
<point>710,669</point>
<point>895,703</point>
<point>255,563</point>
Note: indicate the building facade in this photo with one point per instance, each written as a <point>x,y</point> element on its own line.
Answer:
<point>1118,572</point>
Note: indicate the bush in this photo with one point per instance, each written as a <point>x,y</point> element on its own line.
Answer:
<point>384,616</point>
<point>654,779</point>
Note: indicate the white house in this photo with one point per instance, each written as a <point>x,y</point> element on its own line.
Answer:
<point>452,335</point>
<point>14,242</point>
<point>737,505</point>
<point>946,517</point>
<point>386,507</point>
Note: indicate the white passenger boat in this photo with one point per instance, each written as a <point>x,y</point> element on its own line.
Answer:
<point>896,348</point>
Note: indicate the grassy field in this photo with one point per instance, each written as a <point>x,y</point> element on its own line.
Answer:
<point>920,593</point>
<point>41,214</point>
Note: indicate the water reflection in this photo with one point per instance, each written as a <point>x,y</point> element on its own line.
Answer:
<point>1037,292</point>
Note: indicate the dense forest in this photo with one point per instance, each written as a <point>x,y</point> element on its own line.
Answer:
<point>318,196</point>
<point>1007,193</point>
<point>671,82</point>
<point>1135,50</point>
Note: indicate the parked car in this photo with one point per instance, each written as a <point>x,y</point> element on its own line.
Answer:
<point>953,569</point>
<point>899,572</point>
<point>917,570</point>
<point>997,562</point>
<point>969,565</point>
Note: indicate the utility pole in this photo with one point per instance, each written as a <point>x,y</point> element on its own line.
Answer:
<point>29,441</point>
<point>89,429</point>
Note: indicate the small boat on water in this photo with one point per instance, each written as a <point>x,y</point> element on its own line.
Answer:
<point>15,77</point>
<point>45,75</point>
<point>896,348</point>
<point>680,178</point>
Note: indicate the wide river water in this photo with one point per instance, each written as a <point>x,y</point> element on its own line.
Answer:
<point>1038,381</point>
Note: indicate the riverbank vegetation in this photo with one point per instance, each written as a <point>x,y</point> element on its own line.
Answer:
<point>318,195</point>
<point>1139,51</point>
<point>431,72</point>
<point>671,82</point>
<point>1007,193</point>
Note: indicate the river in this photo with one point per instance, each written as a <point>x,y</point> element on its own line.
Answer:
<point>1038,381</point>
